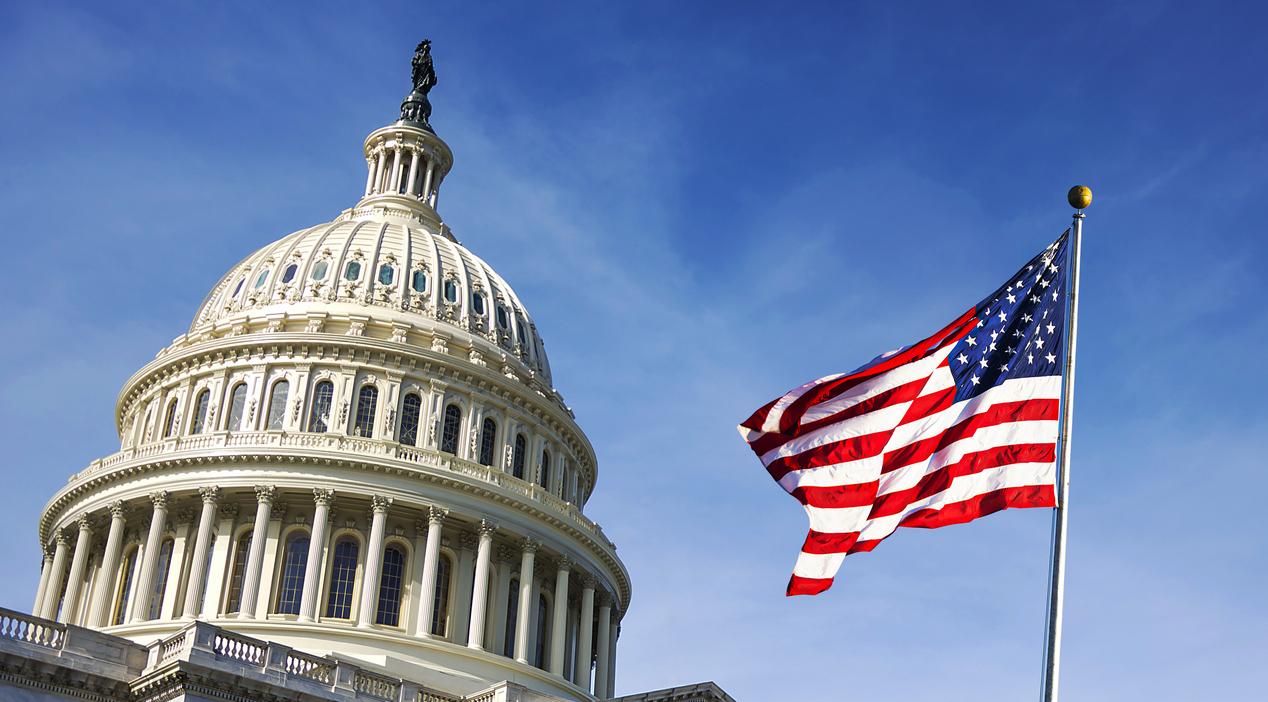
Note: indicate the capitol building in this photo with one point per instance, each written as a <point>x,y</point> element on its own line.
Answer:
<point>351,478</point>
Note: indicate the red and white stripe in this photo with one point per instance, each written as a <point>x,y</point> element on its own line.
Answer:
<point>887,446</point>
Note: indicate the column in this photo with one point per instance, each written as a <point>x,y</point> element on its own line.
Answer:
<point>460,616</point>
<point>501,598</point>
<point>418,599</point>
<point>272,554</point>
<point>480,590</point>
<point>604,642</point>
<point>46,567</point>
<point>396,170</point>
<point>53,591</point>
<point>378,170</point>
<point>316,544</point>
<point>369,175</point>
<point>202,542</point>
<point>585,632</point>
<point>526,607</point>
<point>411,180</point>
<point>616,633</point>
<point>219,561</point>
<point>373,560</point>
<point>103,595</point>
<point>559,627</point>
<point>427,178</point>
<point>83,544</point>
<point>431,561</point>
<point>264,495</point>
<point>144,585</point>
<point>176,564</point>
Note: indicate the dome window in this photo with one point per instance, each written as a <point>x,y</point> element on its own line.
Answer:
<point>289,274</point>
<point>238,288</point>
<point>352,271</point>
<point>503,320</point>
<point>319,270</point>
<point>419,282</point>
<point>386,274</point>
<point>259,280</point>
<point>519,329</point>
<point>477,304</point>
<point>451,291</point>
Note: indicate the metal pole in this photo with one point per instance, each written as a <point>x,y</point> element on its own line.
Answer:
<point>1056,588</point>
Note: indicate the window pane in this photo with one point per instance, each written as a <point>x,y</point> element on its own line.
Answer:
<point>125,588</point>
<point>488,433</point>
<point>517,459</point>
<point>259,280</point>
<point>320,415</point>
<point>419,282</point>
<point>451,291</point>
<point>502,318</point>
<point>440,603</point>
<point>352,271</point>
<point>343,575</point>
<point>543,475</point>
<point>200,412</point>
<point>295,561</point>
<point>289,274</point>
<point>386,274</point>
<point>169,422</point>
<point>277,404</point>
<point>237,572</point>
<point>543,629</point>
<point>160,580</point>
<point>238,288</point>
<point>453,422</point>
<point>237,403</point>
<point>367,401</point>
<point>477,304</point>
<point>389,611</point>
<point>512,617</point>
<point>319,270</point>
<point>411,409</point>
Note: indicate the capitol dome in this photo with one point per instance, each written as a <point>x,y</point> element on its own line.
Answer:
<point>355,452</point>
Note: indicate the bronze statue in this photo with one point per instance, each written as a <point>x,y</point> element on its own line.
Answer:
<point>416,107</point>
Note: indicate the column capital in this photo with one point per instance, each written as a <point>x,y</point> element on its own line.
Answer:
<point>379,504</point>
<point>563,563</point>
<point>588,581</point>
<point>264,494</point>
<point>436,515</point>
<point>47,550</point>
<point>85,522</point>
<point>118,510</point>
<point>529,545</point>
<point>62,538</point>
<point>159,498</point>
<point>210,494</point>
<point>487,528</point>
<point>323,496</point>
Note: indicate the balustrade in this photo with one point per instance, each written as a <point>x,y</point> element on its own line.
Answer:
<point>33,630</point>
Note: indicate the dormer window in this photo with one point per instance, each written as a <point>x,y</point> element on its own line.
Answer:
<point>386,274</point>
<point>289,274</point>
<point>319,270</point>
<point>419,281</point>
<point>352,271</point>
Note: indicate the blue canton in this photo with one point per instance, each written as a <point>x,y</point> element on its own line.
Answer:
<point>1020,330</point>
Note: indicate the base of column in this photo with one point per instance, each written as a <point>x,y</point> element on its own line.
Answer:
<point>476,647</point>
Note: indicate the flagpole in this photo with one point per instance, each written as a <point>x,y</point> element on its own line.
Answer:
<point>1079,197</point>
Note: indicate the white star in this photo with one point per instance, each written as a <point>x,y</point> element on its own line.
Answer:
<point>975,380</point>
<point>1002,317</point>
<point>1035,299</point>
<point>1051,358</point>
<point>1051,327</point>
<point>1003,367</point>
<point>1030,358</point>
<point>1021,283</point>
<point>1044,283</point>
<point>970,341</point>
<point>983,363</point>
<point>992,346</point>
<point>1011,298</point>
<point>1039,342</point>
<point>980,322</point>
<point>1017,332</point>
<point>962,359</point>
<point>1052,267</point>
<point>1010,350</point>
<point>994,335</point>
<point>1054,295</point>
<point>1027,318</point>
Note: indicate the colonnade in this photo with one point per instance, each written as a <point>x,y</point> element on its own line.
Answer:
<point>395,168</point>
<point>562,618</point>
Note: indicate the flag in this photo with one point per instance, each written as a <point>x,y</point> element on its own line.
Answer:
<point>954,427</point>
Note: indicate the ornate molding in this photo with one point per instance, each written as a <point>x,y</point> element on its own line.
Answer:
<point>323,496</point>
<point>210,494</point>
<point>379,504</point>
<point>264,494</point>
<point>159,499</point>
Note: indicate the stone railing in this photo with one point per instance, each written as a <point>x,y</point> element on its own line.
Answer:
<point>16,626</point>
<point>302,665</point>
<point>375,685</point>
<point>362,447</point>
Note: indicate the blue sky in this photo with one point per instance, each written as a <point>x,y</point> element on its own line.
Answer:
<point>703,205</point>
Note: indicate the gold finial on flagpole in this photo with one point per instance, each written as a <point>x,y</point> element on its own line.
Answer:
<point>1079,197</point>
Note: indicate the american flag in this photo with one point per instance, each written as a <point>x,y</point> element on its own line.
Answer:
<point>954,427</point>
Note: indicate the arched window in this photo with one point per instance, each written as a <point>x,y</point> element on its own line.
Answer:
<point>440,601</point>
<point>367,401</point>
<point>237,571</point>
<point>512,617</point>
<point>543,629</point>
<point>200,412</point>
<point>294,561</point>
<point>411,410</point>
<point>125,587</point>
<point>390,582</point>
<point>518,456</point>
<point>149,424</point>
<point>543,475</point>
<point>565,483</point>
<point>277,404</point>
<point>323,394</point>
<point>160,580</point>
<point>488,433</point>
<point>169,421</point>
<point>343,576</point>
<point>237,406</point>
<point>453,422</point>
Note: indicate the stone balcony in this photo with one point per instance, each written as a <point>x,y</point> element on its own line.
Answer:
<point>43,660</point>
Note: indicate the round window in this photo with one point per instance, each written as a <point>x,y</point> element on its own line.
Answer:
<point>352,271</point>
<point>319,270</point>
<point>419,280</point>
<point>289,274</point>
